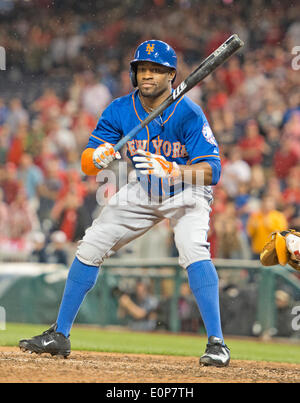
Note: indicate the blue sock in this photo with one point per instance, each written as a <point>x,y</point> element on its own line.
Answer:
<point>204,283</point>
<point>80,281</point>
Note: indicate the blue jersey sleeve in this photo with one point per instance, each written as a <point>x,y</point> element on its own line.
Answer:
<point>200,142</point>
<point>108,128</point>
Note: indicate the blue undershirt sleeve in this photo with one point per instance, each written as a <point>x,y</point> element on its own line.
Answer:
<point>216,169</point>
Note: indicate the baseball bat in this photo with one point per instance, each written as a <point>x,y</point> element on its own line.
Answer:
<point>215,59</point>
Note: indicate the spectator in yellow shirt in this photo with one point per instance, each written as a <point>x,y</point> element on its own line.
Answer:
<point>263,222</point>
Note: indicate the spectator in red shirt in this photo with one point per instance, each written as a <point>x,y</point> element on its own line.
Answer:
<point>70,216</point>
<point>47,154</point>
<point>291,194</point>
<point>44,104</point>
<point>234,75</point>
<point>83,123</point>
<point>9,182</point>
<point>252,144</point>
<point>216,94</point>
<point>285,158</point>
<point>18,144</point>
<point>291,132</point>
<point>72,183</point>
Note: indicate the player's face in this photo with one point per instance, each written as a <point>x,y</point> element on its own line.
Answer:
<point>153,79</point>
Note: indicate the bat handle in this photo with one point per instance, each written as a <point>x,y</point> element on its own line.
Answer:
<point>128,137</point>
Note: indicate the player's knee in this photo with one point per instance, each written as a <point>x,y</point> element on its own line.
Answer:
<point>89,254</point>
<point>186,241</point>
<point>191,248</point>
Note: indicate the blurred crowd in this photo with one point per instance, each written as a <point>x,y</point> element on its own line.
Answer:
<point>252,103</point>
<point>140,308</point>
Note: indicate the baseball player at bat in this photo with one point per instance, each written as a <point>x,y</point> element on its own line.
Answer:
<point>177,162</point>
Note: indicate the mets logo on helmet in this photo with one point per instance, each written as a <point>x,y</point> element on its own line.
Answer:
<point>150,48</point>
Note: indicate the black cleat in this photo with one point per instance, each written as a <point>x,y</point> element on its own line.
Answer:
<point>48,342</point>
<point>216,354</point>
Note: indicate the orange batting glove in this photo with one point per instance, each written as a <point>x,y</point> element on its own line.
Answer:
<point>104,155</point>
<point>153,164</point>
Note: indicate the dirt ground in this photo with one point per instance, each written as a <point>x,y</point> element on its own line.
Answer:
<point>94,367</point>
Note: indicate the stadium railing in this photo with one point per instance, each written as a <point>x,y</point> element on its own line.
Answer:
<point>27,286</point>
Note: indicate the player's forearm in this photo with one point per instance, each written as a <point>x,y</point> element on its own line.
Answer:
<point>197,174</point>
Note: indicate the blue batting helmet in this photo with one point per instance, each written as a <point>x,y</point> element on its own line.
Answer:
<point>153,51</point>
